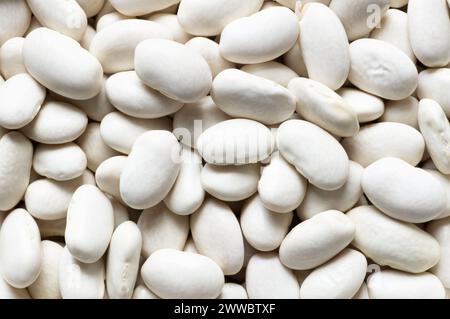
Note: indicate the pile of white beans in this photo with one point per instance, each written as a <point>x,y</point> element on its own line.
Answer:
<point>224,149</point>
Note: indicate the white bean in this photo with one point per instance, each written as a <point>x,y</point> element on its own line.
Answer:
<point>120,131</point>
<point>90,224</point>
<point>207,18</point>
<point>316,240</point>
<point>56,123</point>
<point>50,57</point>
<point>175,274</point>
<point>262,228</point>
<point>66,17</point>
<point>342,199</point>
<point>173,69</point>
<point>122,263</point>
<point>60,162</point>
<point>322,106</point>
<point>440,229</point>
<point>217,234</point>
<point>402,191</point>
<point>387,241</point>
<point>16,154</point>
<point>281,188</point>
<point>230,183</point>
<point>382,69</point>
<point>327,56</point>
<point>340,278</point>
<point>243,95</point>
<point>268,34</point>
<point>187,193</point>
<point>429,31</point>
<point>11,59</point>
<point>385,139</point>
<point>320,158</point>
<point>267,278</point>
<point>161,228</point>
<point>20,249</point>
<point>78,280</point>
<point>21,98</point>
<point>435,129</point>
<point>237,141</point>
<point>46,286</point>
<point>143,185</point>
<point>394,284</point>
<point>114,46</point>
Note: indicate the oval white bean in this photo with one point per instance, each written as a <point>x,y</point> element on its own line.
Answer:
<point>267,278</point>
<point>237,141</point>
<point>382,69</point>
<point>122,263</point>
<point>340,278</point>
<point>322,106</point>
<point>50,56</point>
<point>320,158</point>
<point>217,234</point>
<point>316,240</point>
<point>60,162</point>
<point>268,34</point>
<point>434,84</point>
<point>114,46</point>
<point>318,200</point>
<point>11,59</point>
<point>16,19</point>
<point>46,286</point>
<point>16,154</point>
<point>402,191</point>
<point>142,185</point>
<point>173,69</point>
<point>21,98</point>
<point>387,241</point>
<point>66,17</point>
<point>207,18</point>
<point>176,274</point>
<point>262,228</point>
<point>366,106</point>
<point>20,249</point>
<point>385,139</point>
<point>435,129</point>
<point>243,95</point>
<point>90,224</point>
<point>429,30</point>
<point>327,57</point>
<point>78,280</point>
<point>187,194</point>
<point>281,188</point>
<point>230,183</point>
<point>56,123</point>
<point>161,229</point>
<point>394,284</point>
<point>120,131</point>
